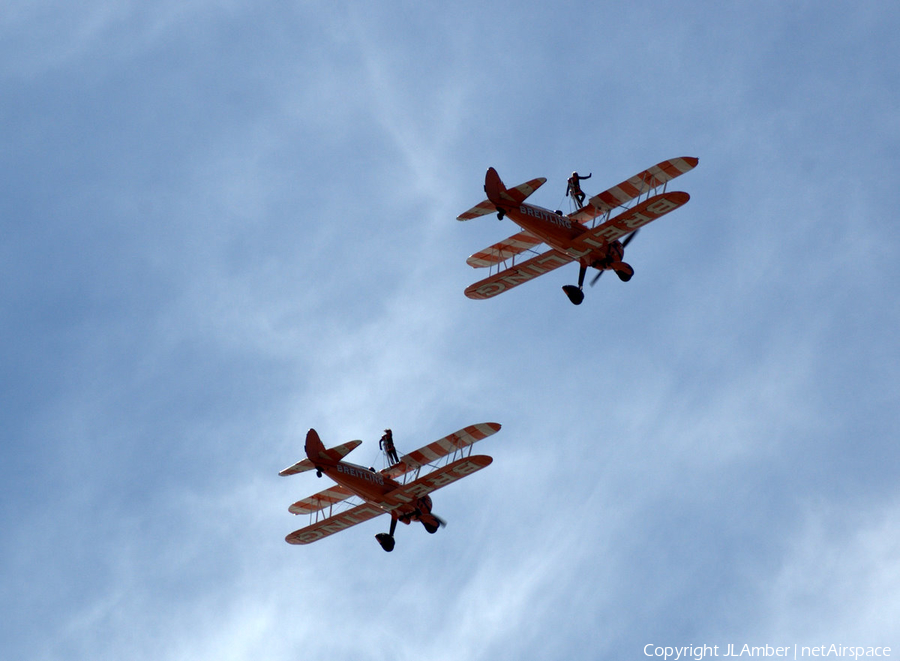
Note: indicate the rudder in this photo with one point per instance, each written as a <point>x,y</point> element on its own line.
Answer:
<point>314,446</point>
<point>494,188</point>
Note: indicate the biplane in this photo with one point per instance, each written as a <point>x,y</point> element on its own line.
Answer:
<point>591,235</point>
<point>401,490</point>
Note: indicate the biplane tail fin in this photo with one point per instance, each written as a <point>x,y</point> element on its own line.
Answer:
<point>314,446</point>
<point>498,193</point>
<point>494,188</point>
<point>314,443</point>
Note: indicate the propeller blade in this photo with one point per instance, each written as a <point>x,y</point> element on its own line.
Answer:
<point>596,277</point>
<point>440,520</point>
<point>630,237</point>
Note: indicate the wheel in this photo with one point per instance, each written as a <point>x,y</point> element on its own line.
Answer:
<point>386,541</point>
<point>624,271</point>
<point>574,293</point>
<point>500,214</point>
<point>318,473</point>
<point>430,528</point>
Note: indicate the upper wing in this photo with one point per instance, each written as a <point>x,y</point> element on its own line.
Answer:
<point>437,479</point>
<point>516,275</point>
<point>442,447</point>
<point>632,188</point>
<point>625,223</point>
<point>334,524</point>
<point>503,250</point>
<point>321,500</point>
<point>518,195</point>
<point>336,453</point>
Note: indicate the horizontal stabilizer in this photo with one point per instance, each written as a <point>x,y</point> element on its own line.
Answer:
<point>516,195</point>
<point>521,192</point>
<point>480,209</point>
<point>336,453</point>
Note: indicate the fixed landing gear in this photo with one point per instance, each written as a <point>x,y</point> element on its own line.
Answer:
<point>386,539</point>
<point>576,294</point>
<point>500,214</point>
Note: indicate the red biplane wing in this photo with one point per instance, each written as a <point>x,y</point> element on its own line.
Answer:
<point>334,524</point>
<point>321,500</point>
<point>337,453</point>
<point>634,187</point>
<point>437,479</point>
<point>442,447</point>
<point>503,250</point>
<point>516,275</point>
<point>625,223</point>
<point>517,195</point>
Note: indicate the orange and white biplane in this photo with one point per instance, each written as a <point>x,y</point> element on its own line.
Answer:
<point>590,235</point>
<point>401,490</point>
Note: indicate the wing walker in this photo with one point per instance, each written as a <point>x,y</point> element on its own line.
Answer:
<point>595,235</point>
<point>401,490</point>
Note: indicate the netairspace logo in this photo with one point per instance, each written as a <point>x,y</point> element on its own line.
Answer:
<point>700,652</point>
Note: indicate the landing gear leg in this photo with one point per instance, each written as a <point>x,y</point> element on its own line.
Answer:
<point>386,539</point>
<point>576,294</point>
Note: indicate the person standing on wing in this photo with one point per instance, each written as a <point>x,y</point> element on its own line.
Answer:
<point>575,188</point>
<point>387,444</point>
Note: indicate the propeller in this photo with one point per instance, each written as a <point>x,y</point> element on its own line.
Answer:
<point>440,520</point>
<point>624,245</point>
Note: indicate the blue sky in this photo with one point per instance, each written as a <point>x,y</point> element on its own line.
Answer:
<point>226,223</point>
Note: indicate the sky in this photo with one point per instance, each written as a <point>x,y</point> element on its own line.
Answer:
<point>224,223</point>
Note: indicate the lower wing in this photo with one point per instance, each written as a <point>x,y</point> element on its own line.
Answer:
<point>334,524</point>
<point>516,275</point>
<point>437,479</point>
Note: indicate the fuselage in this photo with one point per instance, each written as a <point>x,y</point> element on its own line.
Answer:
<point>556,230</point>
<point>380,490</point>
<point>560,232</point>
<point>368,484</point>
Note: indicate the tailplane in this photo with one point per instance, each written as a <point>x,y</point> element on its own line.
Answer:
<point>316,451</point>
<point>500,196</point>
